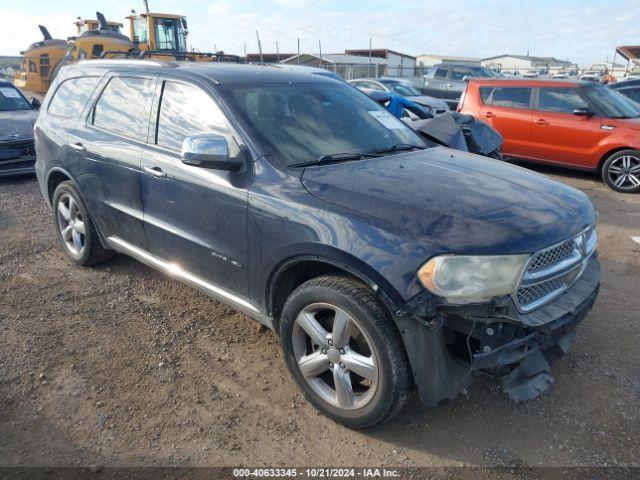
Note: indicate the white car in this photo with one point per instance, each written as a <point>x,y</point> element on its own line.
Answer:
<point>591,76</point>
<point>401,86</point>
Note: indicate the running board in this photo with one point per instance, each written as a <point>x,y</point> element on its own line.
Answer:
<point>194,281</point>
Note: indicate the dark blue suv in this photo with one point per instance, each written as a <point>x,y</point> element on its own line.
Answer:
<point>385,264</point>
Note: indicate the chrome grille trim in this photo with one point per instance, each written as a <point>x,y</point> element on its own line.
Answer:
<point>552,270</point>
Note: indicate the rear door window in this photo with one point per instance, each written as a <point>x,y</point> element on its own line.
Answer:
<point>187,110</point>
<point>511,97</point>
<point>71,96</point>
<point>562,100</point>
<point>441,74</point>
<point>123,107</point>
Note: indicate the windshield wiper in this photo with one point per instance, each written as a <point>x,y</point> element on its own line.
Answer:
<point>399,147</point>
<point>336,157</point>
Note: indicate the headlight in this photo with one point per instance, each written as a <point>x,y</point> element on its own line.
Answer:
<point>470,279</point>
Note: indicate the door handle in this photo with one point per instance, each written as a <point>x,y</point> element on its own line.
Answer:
<point>155,172</point>
<point>541,121</point>
<point>489,115</point>
<point>78,146</point>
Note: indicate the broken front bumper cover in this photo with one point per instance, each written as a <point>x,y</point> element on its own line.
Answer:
<point>448,345</point>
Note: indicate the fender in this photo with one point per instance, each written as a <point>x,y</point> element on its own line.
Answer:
<point>605,150</point>
<point>339,259</point>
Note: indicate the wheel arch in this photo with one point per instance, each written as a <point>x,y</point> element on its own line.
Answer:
<point>55,177</point>
<point>295,270</point>
<point>611,152</point>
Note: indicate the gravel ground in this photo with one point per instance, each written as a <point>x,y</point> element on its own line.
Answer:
<point>119,365</point>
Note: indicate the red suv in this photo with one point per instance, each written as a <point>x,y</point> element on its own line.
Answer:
<point>575,124</point>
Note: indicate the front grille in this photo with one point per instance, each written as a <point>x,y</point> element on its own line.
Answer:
<point>551,256</point>
<point>553,270</point>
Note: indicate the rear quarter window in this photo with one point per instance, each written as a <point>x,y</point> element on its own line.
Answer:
<point>511,97</point>
<point>71,96</point>
<point>485,93</point>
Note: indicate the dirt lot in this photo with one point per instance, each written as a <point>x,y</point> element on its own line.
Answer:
<point>120,366</point>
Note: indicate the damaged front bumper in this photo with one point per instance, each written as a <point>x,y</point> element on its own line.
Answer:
<point>447,345</point>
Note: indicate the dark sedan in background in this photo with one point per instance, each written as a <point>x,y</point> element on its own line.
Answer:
<point>17,116</point>
<point>629,88</point>
<point>404,88</point>
<point>448,81</point>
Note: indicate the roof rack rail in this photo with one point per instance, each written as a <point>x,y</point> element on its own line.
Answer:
<point>128,59</point>
<point>191,56</point>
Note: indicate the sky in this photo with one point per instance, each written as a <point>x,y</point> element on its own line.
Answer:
<point>583,31</point>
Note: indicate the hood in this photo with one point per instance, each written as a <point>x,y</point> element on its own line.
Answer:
<point>17,122</point>
<point>455,201</point>
<point>429,101</point>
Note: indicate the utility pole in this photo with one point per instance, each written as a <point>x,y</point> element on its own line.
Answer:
<point>298,50</point>
<point>259,47</point>
<point>146,6</point>
<point>244,46</point>
<point>320,47</point>
<point>369,68</point>
<point>277,52</point>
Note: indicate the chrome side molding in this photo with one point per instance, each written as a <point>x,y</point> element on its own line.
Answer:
<point>178,272</point>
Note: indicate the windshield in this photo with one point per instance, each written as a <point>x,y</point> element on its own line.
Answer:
<point>170,35</point>
<point>298,123</point>
<point>610,103</point>
<point>11,99</point>
<point>402,88</point>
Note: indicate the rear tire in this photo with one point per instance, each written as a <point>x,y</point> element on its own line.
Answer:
<point>621,171</point>
<point>336,331</point>
<point>74,228</point>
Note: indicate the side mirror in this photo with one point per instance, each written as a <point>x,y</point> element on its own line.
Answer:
<point>35,103</point>
<point>466,78</point>
<point>583,112</point>
<point>208,151</point>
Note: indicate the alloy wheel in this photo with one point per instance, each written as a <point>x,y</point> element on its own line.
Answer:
<point>71,224</point>
<point>335,356</point>
<point>624,172</point>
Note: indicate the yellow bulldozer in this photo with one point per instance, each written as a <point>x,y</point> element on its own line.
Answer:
<point>39,61</point>
<point>153,36</point>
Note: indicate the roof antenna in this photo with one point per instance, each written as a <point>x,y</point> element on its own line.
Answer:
<point>259,47</point>
<point>146,6</point>
<point>102,21</point>
<point>45,32</point>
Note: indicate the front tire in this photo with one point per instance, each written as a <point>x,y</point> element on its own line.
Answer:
<point>344,351</point>
<point>621,171</point>
<point>74,227</point>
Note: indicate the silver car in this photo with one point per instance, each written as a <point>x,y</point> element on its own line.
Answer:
<point>436,106</point>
